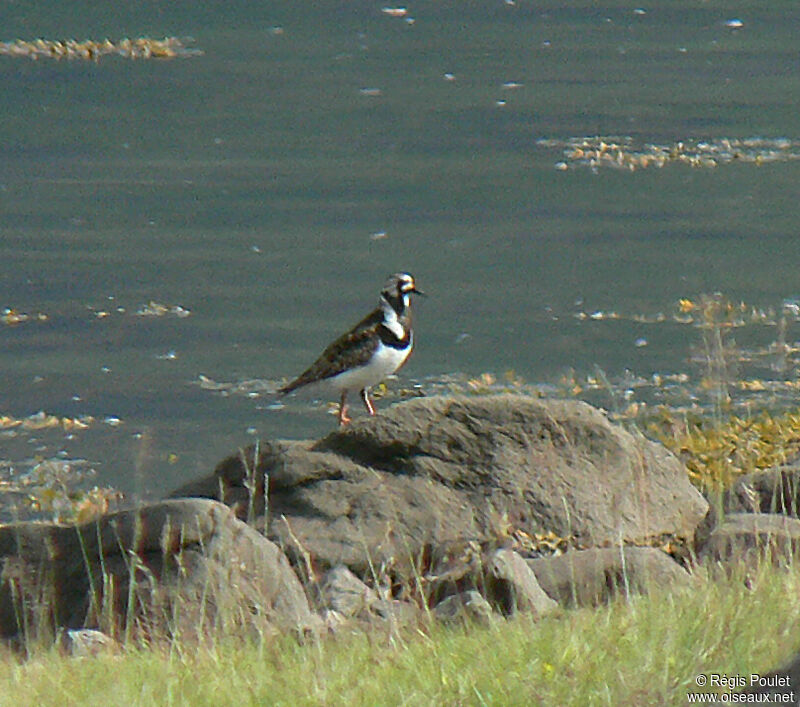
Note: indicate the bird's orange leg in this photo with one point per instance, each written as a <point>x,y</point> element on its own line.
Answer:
<point>367,402</point>
<point>343,418</point>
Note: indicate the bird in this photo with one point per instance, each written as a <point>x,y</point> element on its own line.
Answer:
<point>373,349</point>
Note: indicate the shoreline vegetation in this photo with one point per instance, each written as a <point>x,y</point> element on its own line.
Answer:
<point>646,649</point>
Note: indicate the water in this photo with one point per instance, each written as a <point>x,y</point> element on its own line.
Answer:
<point>270,185</point>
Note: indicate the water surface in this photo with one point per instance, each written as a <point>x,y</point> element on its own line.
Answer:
<point>270,185</point>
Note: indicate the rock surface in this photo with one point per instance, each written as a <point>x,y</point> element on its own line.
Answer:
<point>769,491</point>
<point>511,578</point>
<point>501,575</point>
<point>468,605</point>
<point>341,591</point>
<point>439,470</point>
<point>188,558</point>
<point>592,577</point>
<point>86,643</point>
<point>750,537</point>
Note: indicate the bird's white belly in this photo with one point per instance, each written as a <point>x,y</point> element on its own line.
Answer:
<point>384,362</point>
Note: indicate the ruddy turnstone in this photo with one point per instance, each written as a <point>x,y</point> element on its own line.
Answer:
<point>373,349</point>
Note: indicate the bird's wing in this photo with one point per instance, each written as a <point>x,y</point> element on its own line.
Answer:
<point>348,351</point>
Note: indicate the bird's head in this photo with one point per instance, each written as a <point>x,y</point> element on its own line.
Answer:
<point>400,284</point>
<point>398,290</point>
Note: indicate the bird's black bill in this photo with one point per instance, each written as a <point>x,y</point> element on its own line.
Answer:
<point>418,292</point>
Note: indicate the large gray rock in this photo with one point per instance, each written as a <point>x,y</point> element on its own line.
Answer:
<point>592,577</point>
<point>434,471</point>
<point>175,566</point>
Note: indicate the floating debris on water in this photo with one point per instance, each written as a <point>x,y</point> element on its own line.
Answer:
<point>53,487</point>
<point>11,316</point>
<point>141,48</point>
<point>628,154</point>
<point>252,388</point>
<point>484,382</point>
<point>42,420</point>
<point>155,309</point>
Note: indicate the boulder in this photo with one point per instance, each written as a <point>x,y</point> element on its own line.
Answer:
<point>86,643</point>
<point>751,537</point>
<point>514,585</point>
<point>592,577</point>
<point>441,470</point>
<point>500,575</point>
<point>397,613</point>
<point>775,490</point>
<point>341,591</point>
<point>468,605</point>
<point>175,566</point>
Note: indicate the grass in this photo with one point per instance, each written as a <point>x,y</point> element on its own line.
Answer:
<point>647,650</point>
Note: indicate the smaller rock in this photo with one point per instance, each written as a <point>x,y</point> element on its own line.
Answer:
<point>775,490</point>
<point>514,585</point>
<point>396,611</point>
<point>704,529</point>
<point>592,577</point>
<point>469,605</point>
<point>345,593</point>
<point>86,643</point>
<point>753,537</point>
